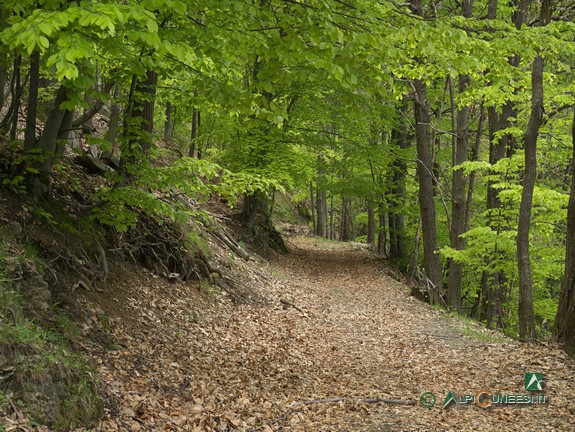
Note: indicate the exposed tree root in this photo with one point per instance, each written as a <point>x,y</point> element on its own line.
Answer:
<point>228,241</point>
<point>162,248</point>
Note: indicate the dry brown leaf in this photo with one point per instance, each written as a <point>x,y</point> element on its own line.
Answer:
<point>241,367</point>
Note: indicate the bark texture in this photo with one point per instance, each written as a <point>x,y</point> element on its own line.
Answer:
<point>425,177</point>
<point>526,312</point>
<point>564,329</point>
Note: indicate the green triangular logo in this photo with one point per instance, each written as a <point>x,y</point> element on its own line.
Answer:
<point>449,399</point>
<point>533,381</point>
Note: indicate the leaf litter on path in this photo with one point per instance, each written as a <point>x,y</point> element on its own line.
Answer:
<point>183,364</point>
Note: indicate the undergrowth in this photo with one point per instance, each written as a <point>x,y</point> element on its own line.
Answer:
<point>40,374</point>
<point>476,330</point>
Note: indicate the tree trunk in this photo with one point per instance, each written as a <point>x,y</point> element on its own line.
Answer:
<point>4,79</point>
<point>39,184</point>
<point>526,312</point>
<point>252,206</point>
<point>168,123</point>
<point>321,201</point>
<point>425,177</point>
<point>66,127</point>
<point>494,288</point>
<point>564,329</point>
<point>145,109</point>
<point>474,158</point>
<point>331,218</point>
<point>431,260</point>
<point>494,284</point>
<point>174,121</point>
<point>392,237</point>
<point>32,105</point>
<point>321,207</point>
<point>381,236</point>
<point>458,186</point>
<point>200,149</point>
<point>139,121</point>
<point>193,147</point>
<point>347,222</point>
<point>398,241</point>
<point>416,243</point>
<point>86,118</point>
<point>48,141</point>
<point>16,95</point>
<point>257,217</point>
<point>312,200</point>
<point>371,226</point>
<point>10,121</point>
<point>112,133</point>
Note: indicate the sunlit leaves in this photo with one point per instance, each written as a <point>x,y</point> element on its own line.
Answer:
<point>122,204</point>
<point>245,182</point>
<point>74,34</point>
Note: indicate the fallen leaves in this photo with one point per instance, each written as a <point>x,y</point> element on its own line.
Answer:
<point>182,363</point>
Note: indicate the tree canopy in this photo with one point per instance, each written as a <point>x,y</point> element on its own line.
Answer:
<point>440,133</point>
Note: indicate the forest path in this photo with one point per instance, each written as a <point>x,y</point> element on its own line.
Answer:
<point>355,334</point>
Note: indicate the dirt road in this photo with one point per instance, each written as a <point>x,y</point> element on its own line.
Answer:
<point>335,327</point>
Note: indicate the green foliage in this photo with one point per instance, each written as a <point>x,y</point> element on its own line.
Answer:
<point>292,95</point>
<point>236,184</point>
<point>209,289</point>
<point>361,218</point>
<point>197,242</point>
<point>121,207</point>
<point>470,330</point>
<point>54,385</point>
<point>287,209</point>
<point>64,329</point>
<point>22,164</point>
<point>151,190</point>
<point>546,309</point>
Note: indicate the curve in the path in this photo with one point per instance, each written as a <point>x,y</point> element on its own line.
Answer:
<point>353,335</point>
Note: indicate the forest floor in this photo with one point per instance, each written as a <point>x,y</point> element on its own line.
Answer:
<point>336,333</point>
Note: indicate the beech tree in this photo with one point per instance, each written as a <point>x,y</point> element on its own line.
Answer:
<point>458,188</point>
<point>564,329</point>
<point>370,112</point>
<point>526,313</point>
